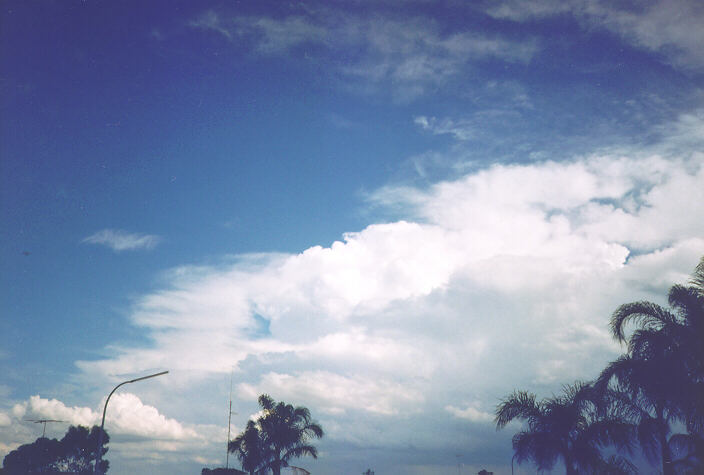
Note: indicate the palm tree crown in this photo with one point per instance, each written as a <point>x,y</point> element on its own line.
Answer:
<point>661,377</point>
<point>571,427</point>
<point>286,431</point>
<point>283,432</point>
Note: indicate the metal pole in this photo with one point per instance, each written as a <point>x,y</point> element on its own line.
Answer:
<point>229,421</point>
<point>105,408</point>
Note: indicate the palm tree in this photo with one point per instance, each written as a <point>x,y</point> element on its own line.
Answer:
<point>249,448</point>
<point>661,377</point>
<point>286,432</point>
<point>643,387</point>
<point>572,427</point>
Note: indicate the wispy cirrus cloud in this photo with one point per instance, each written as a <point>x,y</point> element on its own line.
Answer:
<point>408,54</point>
<point>119,240</point>
<point>670,27</point>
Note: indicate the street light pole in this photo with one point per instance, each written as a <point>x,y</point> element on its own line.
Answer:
<point>102,424</point>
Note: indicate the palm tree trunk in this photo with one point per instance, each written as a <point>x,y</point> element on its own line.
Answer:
<point>665,454</point>
<point>277,465</point>
<point>569,465</point>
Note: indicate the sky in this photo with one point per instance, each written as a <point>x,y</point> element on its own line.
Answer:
<point>393,213</point>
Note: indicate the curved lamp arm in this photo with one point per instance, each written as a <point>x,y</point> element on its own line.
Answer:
<point>105,408</point>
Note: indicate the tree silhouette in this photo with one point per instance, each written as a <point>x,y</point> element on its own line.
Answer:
<point>661,377</point>
<point>249,448</point>
<point>282,433</point>
<point>572,427</point>
<point>74,453</point>
<point>286,432</point>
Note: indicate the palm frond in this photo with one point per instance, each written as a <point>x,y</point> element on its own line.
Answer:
<point>697,279</point>
<point>646,314</point>
<point>519,405</point>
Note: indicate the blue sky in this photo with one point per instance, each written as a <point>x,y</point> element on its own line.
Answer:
<point>391,212</point>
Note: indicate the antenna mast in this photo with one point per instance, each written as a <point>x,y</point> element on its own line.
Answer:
<point>229,419</point>
<point>43,421</point>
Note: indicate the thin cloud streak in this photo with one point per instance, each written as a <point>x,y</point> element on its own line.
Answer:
<point>670,27</point>
<point>408,55</point>
<point>119,240</point>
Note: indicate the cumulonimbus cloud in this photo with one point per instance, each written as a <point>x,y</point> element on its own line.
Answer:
<point>508,263</point>
<point>524,237</point>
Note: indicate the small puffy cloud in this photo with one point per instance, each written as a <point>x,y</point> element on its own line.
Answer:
<point>130,416</point>
<point>119,240</point>
<point>38,407</point>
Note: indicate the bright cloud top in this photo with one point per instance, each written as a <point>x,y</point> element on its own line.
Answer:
<point>119,240</point>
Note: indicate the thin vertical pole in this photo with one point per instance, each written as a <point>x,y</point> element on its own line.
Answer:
<point>229,419</point>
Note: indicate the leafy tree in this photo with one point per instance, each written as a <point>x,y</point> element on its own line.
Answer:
<point>282,433</point>
<point>572,427</point>
<point>75,453</point>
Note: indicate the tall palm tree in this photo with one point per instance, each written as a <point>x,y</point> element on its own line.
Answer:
<point>662,374</point>
<point>249,448</point>
<point>643,387</point>
<point>572,427</point>
<point>286,432</point>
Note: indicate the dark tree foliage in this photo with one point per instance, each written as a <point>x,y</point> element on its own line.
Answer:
<point>661,376</point>
<point>657,385</point>
<point>249,448</point>
<point>74,453</point>
<point>281,434</point>
<point>572,427</point>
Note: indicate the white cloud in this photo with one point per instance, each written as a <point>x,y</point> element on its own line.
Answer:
<point>333,393</point>
<point>127,415</point>
<point>471,413</point>
<point>4,419</point>
<point>211,21</point>
<point>137,431</point>
<point>119,240</point>
<point>672,27</point>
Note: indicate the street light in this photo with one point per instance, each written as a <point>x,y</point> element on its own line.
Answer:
<point>102,424</point>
